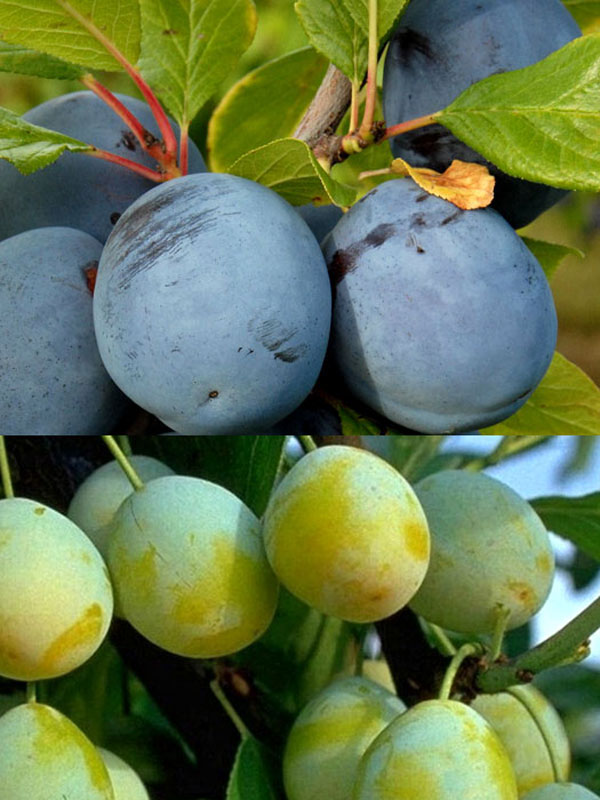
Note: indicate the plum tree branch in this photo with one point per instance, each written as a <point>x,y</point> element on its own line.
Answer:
<point>568,645</point>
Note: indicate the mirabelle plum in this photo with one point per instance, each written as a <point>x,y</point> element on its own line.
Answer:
<point>94,503</point>
<point>126,783</point>
<point>560,791</point>
<point>189,567</point>
<point>439,750</point>
<point>489,549</point>
<point>45,756</point>
<point>56,600</point>
<point>346,534</point>
<point>536,746</point>
<point>330,735</point>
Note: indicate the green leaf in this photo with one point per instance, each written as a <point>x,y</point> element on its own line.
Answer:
<point>550,255</point>
<point>573,518</point>
<point>408,454</point>
<point>332,31</point>
<point>566,401</point>
<point>354,423</point>
<point>30,147</point>
<point>388,12</point>
<point>542,122</point>
<point>189,48</point>
<point>255,773</point>
<point>268,103</point>
<point>246,465</point>
<point>78,31</point>
<point>586,12</point>
<point>16,58</point>
<point>289,167</point>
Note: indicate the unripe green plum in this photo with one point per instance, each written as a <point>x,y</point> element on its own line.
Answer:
<point>489,549</point>
<point>560,791</point>
<point>439,750</point>
<point>126,783</point>
<point>534,744</point>
<point>346,534</point>
<point>330,735</point>
<point>56,599</point>
<point>189,567</point>
<point>44,756</point>
<point>96,500</point>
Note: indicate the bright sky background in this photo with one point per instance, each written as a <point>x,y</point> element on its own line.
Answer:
<point>538,473</point>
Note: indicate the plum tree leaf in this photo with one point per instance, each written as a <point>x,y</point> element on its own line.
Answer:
<point>78,31</point>
<point>586,12</point>
<point>29,147</point>
<point>573,518</point>
<point>567,401</point>
<point>388,11</point>
<point>20,59</point>
<point>542,122</point>
<point>550,255</point>
<point>189,48</point>
<point>289,167</point>
<point>254,772</point>
<point>333,31</point>
<point>266,104</point>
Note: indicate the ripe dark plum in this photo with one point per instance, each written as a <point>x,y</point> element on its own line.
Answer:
<point>443,320</point>
<point>439,50</point>
<point>320,219</point>
<point>212,306</point>
<point>79,191</point>
<point>52,380</point>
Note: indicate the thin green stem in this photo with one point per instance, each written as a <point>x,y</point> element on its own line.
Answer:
<point>466,650</point>
<point>31,692</point>
<point>445,646</point>
<point>371,98</point>
<point>5,470</point>
<point>569,645</point>
<point>124,463</point>
<point>354,107</point>
<point>502,616</point>
<point>229,709</point>
<point>308,443</point>
<point>507,447</point>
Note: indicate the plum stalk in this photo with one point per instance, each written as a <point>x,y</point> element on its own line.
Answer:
<point>124,462</point>
<point>5,470</point>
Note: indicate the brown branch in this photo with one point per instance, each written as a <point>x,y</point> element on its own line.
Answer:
<point>327,108</point>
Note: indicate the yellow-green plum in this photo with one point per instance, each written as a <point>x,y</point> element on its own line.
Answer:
<point>330,735</point>
<point>44,756</point>
<point>56,599</point>
<point>189,568</point>
<point>346,534</point>
<point>560,791</point>
<point>439,750</point>
<point>532,733</point>
<point>126,783</point>
<point>489,549</point>
<point>96,500</point>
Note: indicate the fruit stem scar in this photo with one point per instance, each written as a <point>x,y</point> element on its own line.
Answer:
<point>5,470</point>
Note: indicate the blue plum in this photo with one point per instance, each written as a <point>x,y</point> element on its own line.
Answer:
<point>443,320</point>
<point>212,306</point>
<point>52,380</point>
<point>439,50</point>
<point>78,191</point>
<point>320,219</point>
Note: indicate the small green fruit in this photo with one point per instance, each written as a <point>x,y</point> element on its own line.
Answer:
<point>532,733</point>
<point>56,600</point>
<point>439,750</point>
<point>561,791</point>
<point>189,567</point>
<point>330,735</point>
<point>96,500</point>
<point>126,783</point>
<point>489,549</point>
<point>44,756</point>
<point>346,534</point>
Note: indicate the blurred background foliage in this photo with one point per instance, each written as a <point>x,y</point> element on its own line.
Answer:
<point>575,222</point>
